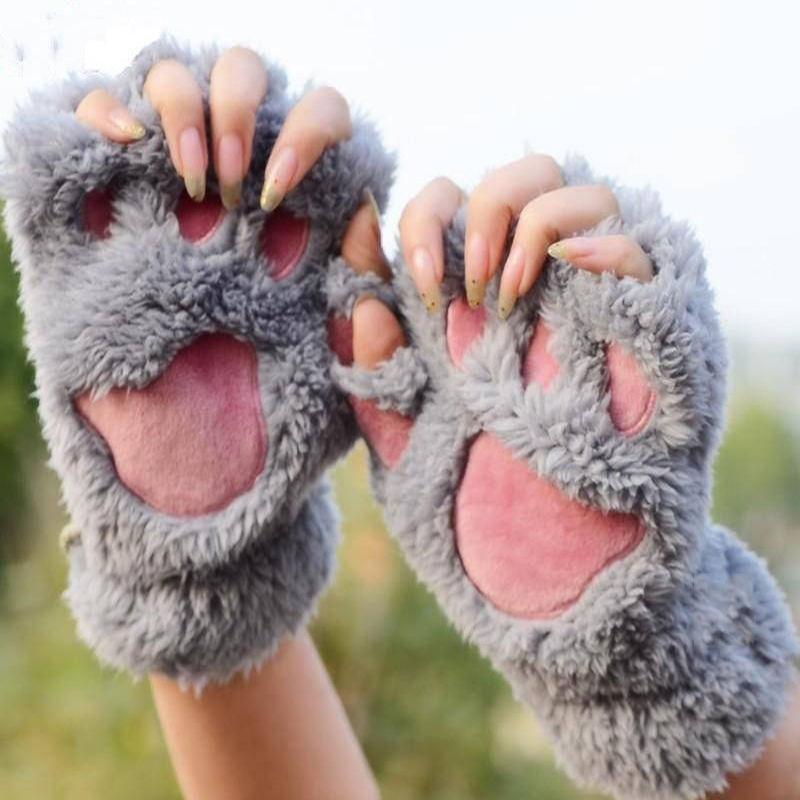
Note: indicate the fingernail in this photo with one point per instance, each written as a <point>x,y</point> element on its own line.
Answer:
<point>557,250</point>
<point>513,271</point>
<point>278,177</point>
<point>193,163</point>
<point>123,120</point>
<point>476,269</point>
<point>230,166</point>
<point>373,204</point>
<point>505,304</point>
<point>369,199</point>
<point>425,278</point>
<point>475,292</point>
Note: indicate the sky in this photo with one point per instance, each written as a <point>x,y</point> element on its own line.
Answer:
<point>698,99</point>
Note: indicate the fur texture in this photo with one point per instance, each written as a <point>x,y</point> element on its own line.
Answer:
<point>197,598</point>
<point>671,669</point>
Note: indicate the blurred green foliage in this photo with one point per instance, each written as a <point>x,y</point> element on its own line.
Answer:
<point>18,434</point>
<point>435,720</point>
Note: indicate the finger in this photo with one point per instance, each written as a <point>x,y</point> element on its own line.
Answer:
<point>361,244</point>
<point>497,201</point>
<point>546,219</point>
<point>238,85</point>
<point>422,226</point>
<point>376,332</point>
<point>321,118</point>
<point>103,112</point>
<point>618,254</point>
<point>175,95</point>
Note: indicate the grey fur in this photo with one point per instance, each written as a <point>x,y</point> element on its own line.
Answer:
<point>671,669</point>
<point>201,598</point>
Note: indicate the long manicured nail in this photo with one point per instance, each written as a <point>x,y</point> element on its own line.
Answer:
<point>193,163</point>
<point>230,168</point>
<point>476,269</point>
<point>124,121</point>
<point>425,277</point>
<point>505,304</point>
<point>573,247</point>
<point>279,175</point>
<point>369,197</point>
<point>557,250</point>
<point>510,282</point>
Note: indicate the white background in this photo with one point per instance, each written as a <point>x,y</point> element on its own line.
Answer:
<point>699,99</point>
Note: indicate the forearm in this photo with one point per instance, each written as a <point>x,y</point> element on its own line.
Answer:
<point>776,774</point>
<point>281,732</point>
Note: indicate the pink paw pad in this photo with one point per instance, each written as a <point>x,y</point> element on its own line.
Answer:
<point>283,240</point>
<point>387,431</point>
<point>527,547</point>
<point>524,544</point>
<point>195,438</point>
<point>538,365</point>
<point>97,213</point>
<point>198,222</point>
<point>632,402</point>
<point>464,326</point>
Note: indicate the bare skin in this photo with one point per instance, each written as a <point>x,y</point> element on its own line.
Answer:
<point>282,731</point>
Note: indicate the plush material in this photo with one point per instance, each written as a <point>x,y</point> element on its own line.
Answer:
<point>553,493</point>
<point>183,374</point>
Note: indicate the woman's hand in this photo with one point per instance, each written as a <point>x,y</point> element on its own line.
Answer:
<point>238,85</point>
<point>255,735</point>
<point>529,192</point>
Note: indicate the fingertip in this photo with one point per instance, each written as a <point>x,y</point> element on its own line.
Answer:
<point>102,111</point>
<point>618,254</point>
<point>377,332</point>
<point>426,277</point>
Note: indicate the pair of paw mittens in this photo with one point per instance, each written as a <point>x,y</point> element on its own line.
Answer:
<point>183,374</point>
<point>548,478</point>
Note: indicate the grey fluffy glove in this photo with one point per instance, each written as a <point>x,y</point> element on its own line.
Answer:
<point>182,372</point>
<point>548,478</point>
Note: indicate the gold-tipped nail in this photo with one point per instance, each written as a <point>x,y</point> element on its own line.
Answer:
<point>369,197</point>
<point>505,305</point>
<point>270,196</point>
<point>195,186</point>
<point>475,292</point>
<point>557,250</point>
<point>432,298</point>
<point>123,121</point>
<point>134,129</point>
<point>231,195</point>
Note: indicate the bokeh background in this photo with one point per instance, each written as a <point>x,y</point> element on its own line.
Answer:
<point>696,98</point>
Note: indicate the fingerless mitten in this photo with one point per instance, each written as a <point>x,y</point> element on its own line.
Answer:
<point>183,374</point>
<point>548,478</point>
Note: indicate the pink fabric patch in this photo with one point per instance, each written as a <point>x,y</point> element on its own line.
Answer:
<point>529,549</point>
<point>340,338</point>
<point>632,400</point>
<point>198,221</point>
<point>539,365</point>
<point>387,431</point>
<point>283,238</point>
<point>97,212</point>
<point>195,438</point>
<point>464,326</point>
